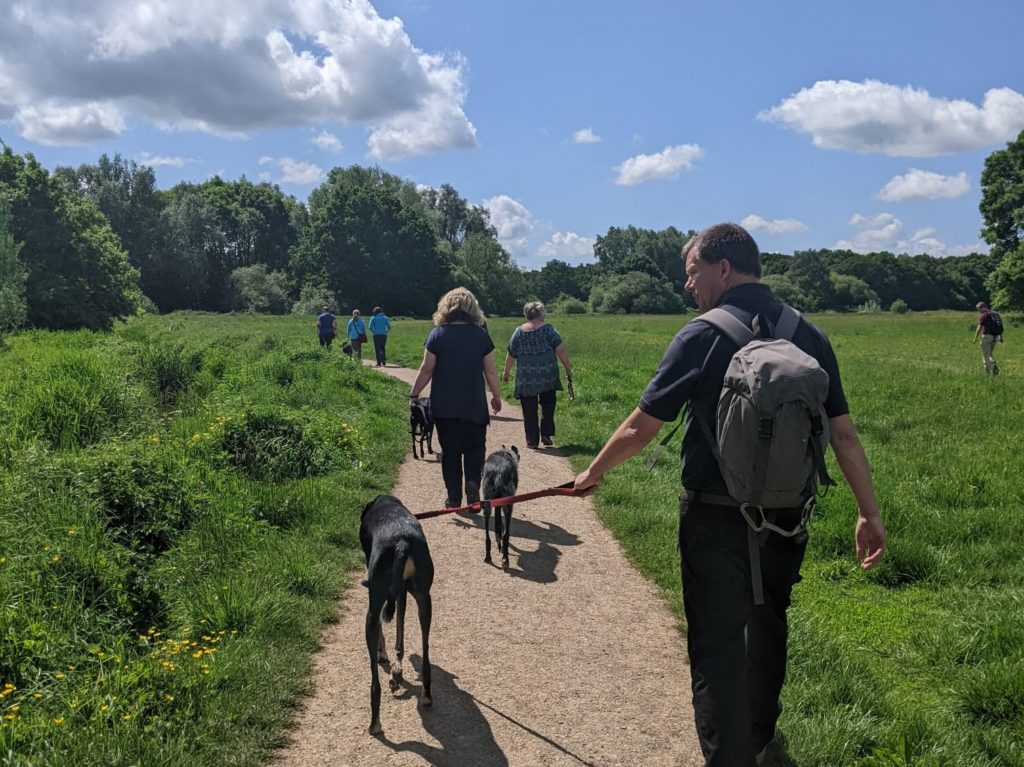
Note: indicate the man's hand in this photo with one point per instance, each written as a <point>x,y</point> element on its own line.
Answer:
<point>869,537</point>
<point>495,404</point>
<point>585,484</point>
<point>570,389</point>
<point>505,377</point>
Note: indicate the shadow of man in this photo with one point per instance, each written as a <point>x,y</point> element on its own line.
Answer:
<point>454,721</point>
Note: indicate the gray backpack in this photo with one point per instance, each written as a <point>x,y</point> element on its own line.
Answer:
<point>771,430</point>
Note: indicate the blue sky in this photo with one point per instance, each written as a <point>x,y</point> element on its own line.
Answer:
<point>817,124</point>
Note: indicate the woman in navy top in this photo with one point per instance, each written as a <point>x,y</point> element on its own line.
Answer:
<point>458,355</point>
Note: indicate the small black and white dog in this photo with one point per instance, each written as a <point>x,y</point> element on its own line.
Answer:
<point>397,563</point>
<point>347,348</point>
<point>421,425</point>
<point>500,480</point>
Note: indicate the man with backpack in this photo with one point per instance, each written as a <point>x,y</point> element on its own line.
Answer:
<point>990,328</point>
<point>764,398</point>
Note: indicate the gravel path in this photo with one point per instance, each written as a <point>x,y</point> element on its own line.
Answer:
<point>568,658</point>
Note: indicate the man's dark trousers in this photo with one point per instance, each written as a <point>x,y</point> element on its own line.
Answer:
<point>737,649</point>
<point>546,428</point>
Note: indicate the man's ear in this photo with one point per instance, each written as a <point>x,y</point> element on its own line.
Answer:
<point>725,268</point>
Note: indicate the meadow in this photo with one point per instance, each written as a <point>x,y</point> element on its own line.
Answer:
<point>179,507</point>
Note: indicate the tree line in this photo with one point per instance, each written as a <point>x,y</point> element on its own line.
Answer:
<point>82,247</point>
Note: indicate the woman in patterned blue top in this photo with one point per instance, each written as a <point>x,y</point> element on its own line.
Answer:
<point>536,349</point>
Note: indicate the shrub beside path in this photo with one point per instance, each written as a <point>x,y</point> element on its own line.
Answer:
<point>568,658</point>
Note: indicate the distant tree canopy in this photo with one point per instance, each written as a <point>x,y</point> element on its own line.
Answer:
<point>84,246</point>
<point>1002,207</point>
<point>78,276</point>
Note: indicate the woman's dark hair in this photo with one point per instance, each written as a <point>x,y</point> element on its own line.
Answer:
<point>729,241</point>
<point>377,310</point>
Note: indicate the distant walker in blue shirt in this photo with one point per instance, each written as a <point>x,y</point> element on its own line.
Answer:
<point>326,327</point>
<point>356,334</point>
<point>380,326</point>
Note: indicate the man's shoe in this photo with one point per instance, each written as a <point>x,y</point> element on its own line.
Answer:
<point>450,503</point>
<point>546,441</point>
<point>472,493</point>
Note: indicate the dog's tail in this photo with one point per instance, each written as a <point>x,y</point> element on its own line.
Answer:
<point>397,581</point>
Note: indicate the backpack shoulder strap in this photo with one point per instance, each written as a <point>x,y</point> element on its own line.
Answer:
<point>726,322</point>
<point>788,322</point>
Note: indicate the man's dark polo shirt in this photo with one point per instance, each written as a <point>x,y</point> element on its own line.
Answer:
<point>700,347</point>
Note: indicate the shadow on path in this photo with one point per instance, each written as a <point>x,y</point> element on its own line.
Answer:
<point>456,723</point>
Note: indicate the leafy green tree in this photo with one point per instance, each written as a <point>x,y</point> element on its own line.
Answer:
<point>1002,208</point>
<point>557,278</point>
<point>486,268</point>
<point>180,275</point>
<point>255,221</point>
<point>849,292</point>
<point>13,275</point>
<point>78,274</point>
<point>313,297</point>
<point>810,275</point>
<point>784,290</point>
<point>1008,280</point>
<point>634,293</point>
<point>126,193</point>
<point>657,253</point>
<point>256,289</point>
<point>453,217</point>
<point>368,247</point>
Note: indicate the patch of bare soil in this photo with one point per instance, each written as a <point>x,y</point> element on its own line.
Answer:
<point>569,657</point>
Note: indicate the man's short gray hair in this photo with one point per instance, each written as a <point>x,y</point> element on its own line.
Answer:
<point>533,310</point>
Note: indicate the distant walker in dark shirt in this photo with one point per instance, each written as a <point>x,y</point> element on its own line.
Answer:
<point>737,646</point>
<point>458,356</point>
<point>326,327</point>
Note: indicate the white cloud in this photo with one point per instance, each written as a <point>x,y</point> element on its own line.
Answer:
<point>754,222</point>
<point>901,121</point>
<point>512,221</point>
<point>924,185</point>
<point>292,171</point>
<point>157,161</point>
<point>328,142</point>
<point>74,72</point>
<point>666,164</point>
<point>585,136</point>
<point>568,246</point>
<point>61,123</point>
<point>885,232</point>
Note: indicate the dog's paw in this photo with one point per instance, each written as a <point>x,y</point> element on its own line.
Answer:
<point>504,563</point>
<point>375,728</point>
<point>395,683</point>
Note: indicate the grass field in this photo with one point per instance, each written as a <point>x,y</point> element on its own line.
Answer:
<point>180,500</point>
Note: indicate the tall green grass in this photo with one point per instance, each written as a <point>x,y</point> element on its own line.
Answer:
<point>179,506</point>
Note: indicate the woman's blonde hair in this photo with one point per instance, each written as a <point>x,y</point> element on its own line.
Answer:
<point>459,305</point>
<point>533,310</point>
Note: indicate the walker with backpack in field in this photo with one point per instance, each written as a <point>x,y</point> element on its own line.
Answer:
<point>770,432</point>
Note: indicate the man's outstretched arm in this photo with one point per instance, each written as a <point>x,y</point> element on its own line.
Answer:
<point>853,462</point>
<point>629,439</point>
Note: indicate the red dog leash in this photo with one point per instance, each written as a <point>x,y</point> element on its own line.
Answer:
<point>566,489</point>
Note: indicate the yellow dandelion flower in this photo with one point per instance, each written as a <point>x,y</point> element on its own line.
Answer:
<point>58,720</point>
<point>55,558</point>
<point>58,676</point>
<point>72,531</point>
<point>104,707</point>
<point>126,717</point>
<point>37,695</point>
<point>169,698</point>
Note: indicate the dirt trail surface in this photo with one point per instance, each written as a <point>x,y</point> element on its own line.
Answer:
<point>567,658</point>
